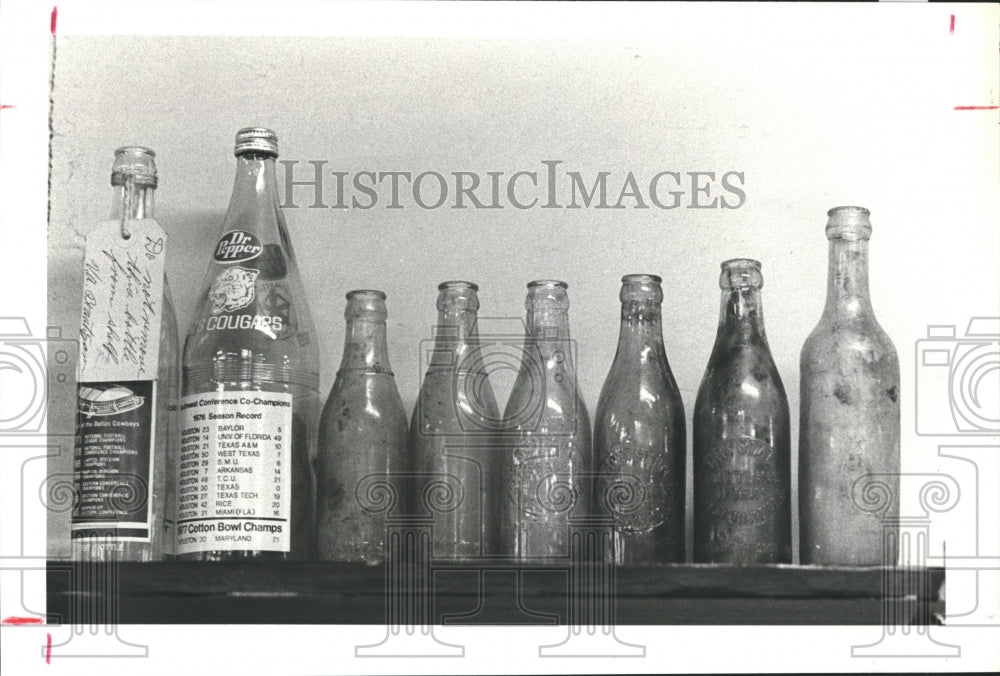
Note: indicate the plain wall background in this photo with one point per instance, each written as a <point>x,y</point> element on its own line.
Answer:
<point>824,109</point>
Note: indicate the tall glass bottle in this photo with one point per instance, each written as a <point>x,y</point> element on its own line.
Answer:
<point>456,462</point>
<point>639,435</point>
<point>849,424</point>
<point>548,467</point>
<point>134,179</point>
<point>742,452</point>
<point>250,384</point>
<point>362,441</point>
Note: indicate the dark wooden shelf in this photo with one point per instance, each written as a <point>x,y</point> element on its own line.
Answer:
<point>489,592</point>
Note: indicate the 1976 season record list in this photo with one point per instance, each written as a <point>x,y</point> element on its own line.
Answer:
<point>234,446</point>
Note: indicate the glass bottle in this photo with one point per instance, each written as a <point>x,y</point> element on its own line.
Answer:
<point>849,424</point>
<point>134,179</point>
<point>362,441</point>
<point>456,462</point>
<point>639,435</point>
<point>548,467</point>
<point>742,453</point>
<point>250,385</point>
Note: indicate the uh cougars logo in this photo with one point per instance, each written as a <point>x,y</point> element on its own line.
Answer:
<point>233,289</point>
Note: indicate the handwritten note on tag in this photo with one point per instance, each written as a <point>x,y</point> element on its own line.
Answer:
<point>122,301</point>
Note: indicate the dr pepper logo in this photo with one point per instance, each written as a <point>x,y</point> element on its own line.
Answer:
<point>236,246</point>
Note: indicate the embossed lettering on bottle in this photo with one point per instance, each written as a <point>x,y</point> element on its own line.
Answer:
<point>742,455</point>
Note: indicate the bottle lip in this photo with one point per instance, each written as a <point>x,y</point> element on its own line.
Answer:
<point>135,162</point>
<point>851,223</point>
<point>256,140</point>
<point>740,263</point>
<point>641,277</point>
<point>134,150</point>
<point>540,283</point>
<point>356,293</point>
<point>457,284</point>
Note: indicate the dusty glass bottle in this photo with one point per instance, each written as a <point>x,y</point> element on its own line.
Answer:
<point>362,441</point>
<point>456,462</point>
<point>849,421</point>
<point>250,385</point>
<point>742,452</point>
<point>548,467</point>
<point>134,179</point>
<point>639,435</point>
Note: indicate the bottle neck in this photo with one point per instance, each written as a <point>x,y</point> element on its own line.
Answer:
<point>454,333</point>
<point>641,335</point>
<point>365,346</point>
<point>548,333</point>
<point>132,200</point>
<point>254,204</point>
<point>847,278</point>
<point>741,316</point>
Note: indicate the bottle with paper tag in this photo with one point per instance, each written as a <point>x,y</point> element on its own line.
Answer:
<point>127,378</point>
<point>245,485</point>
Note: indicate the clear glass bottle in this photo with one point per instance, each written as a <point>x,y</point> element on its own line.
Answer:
<point>742,451</point>
<point>456,462</point>
<point>849,420</point>
<point>250,385</point>
<point>639,435</point>
<point>134,179</point>
<point>548,469</point>
<point>362,441</point>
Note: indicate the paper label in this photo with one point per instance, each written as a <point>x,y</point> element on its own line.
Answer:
<point>234,472</point>
<point>112,465</point>
<point>122,301</point>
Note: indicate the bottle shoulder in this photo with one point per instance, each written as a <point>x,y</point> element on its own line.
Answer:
<point>863,339</point>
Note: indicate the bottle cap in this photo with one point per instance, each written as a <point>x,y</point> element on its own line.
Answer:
<point>740,273</point>
<point>256,140</point>
<point>851,223</point>
<point>135,162</point>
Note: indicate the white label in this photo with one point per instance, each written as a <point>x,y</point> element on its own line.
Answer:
<point>122,301</point>
<point>234,472</point>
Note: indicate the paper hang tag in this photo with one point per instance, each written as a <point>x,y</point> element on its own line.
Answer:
<point>122,301</point>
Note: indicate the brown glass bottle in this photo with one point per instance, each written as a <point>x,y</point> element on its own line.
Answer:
<point>456,462</point>
<point>245,485</point>
<point>849,424</point>
<point>742,452</point>
<point>547,469</point>
<point>639,435</point>
<point>362,441</point>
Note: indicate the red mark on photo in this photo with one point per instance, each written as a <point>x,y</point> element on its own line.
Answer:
<point>951,29</point>
<point>22,620</point>
<point>5,106</point>
<point>976,107</point>
<point>48,648</point>
<point>52,21</point>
